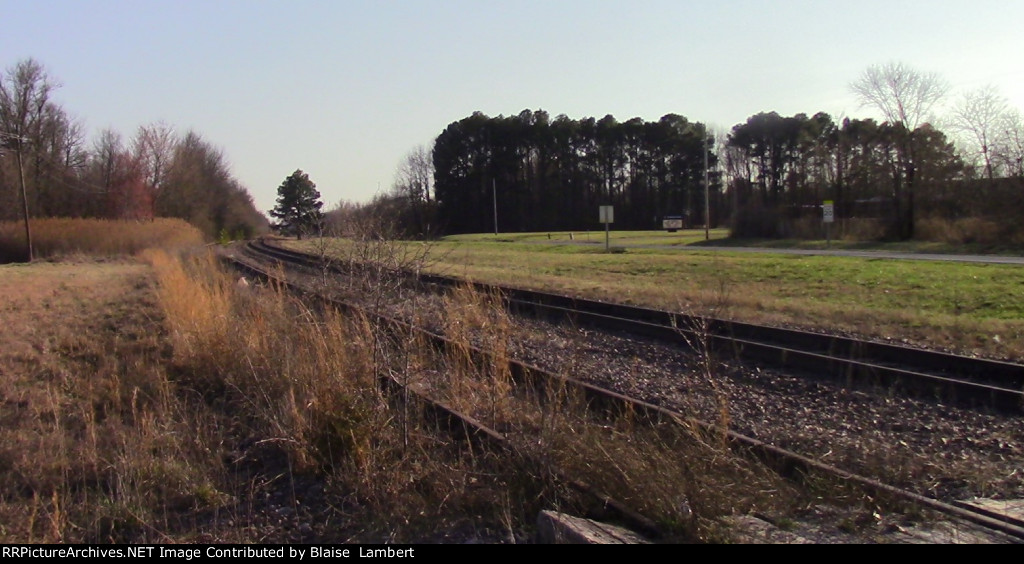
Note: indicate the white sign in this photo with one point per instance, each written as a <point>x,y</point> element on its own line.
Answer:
<point>674,223</point>
<point>607,214</point>
<point>828,212</point>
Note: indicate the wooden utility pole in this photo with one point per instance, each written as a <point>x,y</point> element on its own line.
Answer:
<point>707,191</point>
<point>24,204</point>
<point>19,142</point>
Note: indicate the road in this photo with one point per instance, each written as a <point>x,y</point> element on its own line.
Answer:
<point>893,255</point>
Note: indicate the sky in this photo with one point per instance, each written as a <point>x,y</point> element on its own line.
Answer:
<point>345,89</point>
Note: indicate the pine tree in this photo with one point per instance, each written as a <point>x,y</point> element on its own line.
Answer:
<point>298,206</point>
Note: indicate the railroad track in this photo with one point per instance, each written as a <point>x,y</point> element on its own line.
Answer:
<point>966,381</point>
<point>786,462</point>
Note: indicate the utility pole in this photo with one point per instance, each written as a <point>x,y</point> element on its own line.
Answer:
<point>494,195</point>
<point>707,190</point>
<point>19,141</point>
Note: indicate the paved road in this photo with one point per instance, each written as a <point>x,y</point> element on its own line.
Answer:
<point>989,259</point>
<point>983,259</point>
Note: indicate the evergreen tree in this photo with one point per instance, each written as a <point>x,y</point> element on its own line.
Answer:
<point>298,206</point>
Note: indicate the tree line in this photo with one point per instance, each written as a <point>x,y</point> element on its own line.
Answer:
<point>768,176</point>
<point>544,174</point>
<point>784,167</point>
<point>156,172</point>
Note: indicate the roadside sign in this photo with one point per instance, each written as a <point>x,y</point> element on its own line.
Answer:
<point>828,212</point>
<point>672,223</point>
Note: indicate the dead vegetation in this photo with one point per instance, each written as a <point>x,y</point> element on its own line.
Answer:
<point>59,237</point>
<point>98,446</point>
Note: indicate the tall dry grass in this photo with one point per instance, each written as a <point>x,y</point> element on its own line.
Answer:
<point>297,376</point>
<point>54,237</point>
<point>302,387</point>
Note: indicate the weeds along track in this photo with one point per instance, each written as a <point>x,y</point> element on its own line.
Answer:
<point>967,381</point>
<point>785,461</point>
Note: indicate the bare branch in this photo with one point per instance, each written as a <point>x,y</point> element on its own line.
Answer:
<point>902,94</point>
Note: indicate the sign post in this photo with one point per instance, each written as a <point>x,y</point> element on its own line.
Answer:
<point>828,215</point>
<point>607,217</point>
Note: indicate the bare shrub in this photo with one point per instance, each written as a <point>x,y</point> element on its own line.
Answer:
<point>962,231</point>
<point>678,473</point>
<point>861,229</point>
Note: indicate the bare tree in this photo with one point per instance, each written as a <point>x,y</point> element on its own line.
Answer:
<point>24,97</point>
<point>105,151</point>
<point>24,93</point>
<point>415,174</point>
<point>1009,149</point>
<point>906,97</point>
<point>69,142</point>
<point>411,193</point>
<point>979,114</point>
<point>902,94</point>
<point>153,145</point>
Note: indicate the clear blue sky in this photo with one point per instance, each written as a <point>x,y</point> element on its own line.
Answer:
<point>344,89</point>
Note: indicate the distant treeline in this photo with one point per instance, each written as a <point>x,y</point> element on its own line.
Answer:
<point>157,173</point>
<point>553,174</point>
<point>767,177</point>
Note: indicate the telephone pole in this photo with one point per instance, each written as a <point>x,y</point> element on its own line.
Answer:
<point>18,143</point>
<point>707,190</point>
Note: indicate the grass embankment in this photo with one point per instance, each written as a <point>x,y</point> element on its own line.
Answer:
<point>164,403</point>
<point>55,237</point>
<point>971,308</point>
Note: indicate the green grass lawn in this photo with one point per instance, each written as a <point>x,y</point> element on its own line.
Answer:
<point>721,238</point>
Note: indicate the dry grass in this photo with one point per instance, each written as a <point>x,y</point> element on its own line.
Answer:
<point>303,384</point>
<point>170,404</point>
<point>56,237</point>
<point>181,410</point>
<point>96,444</point>
<point>308,381</point>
